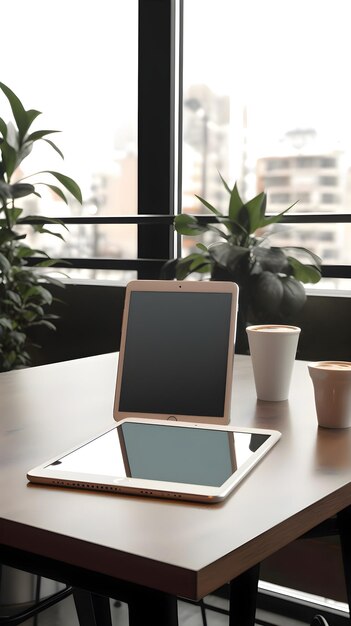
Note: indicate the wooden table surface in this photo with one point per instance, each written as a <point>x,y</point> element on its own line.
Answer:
<point>186,549</point>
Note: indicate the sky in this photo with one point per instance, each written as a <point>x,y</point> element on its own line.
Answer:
<point>76,60</point>
<point>288,60</point>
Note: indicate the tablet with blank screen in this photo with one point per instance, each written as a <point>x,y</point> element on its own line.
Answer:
<point>176,352</point>
<point>172,402</point>
<point>174,460</point>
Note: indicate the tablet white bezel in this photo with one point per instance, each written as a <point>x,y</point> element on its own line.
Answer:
<point>190,287</point>
<point>137,486</point>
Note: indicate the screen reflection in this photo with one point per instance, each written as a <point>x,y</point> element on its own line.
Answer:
<point>197,456</point>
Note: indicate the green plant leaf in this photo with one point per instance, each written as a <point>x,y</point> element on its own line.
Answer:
<point>32,114</point>
<point>188,225</point>
<point>10,359</point>
<point>25,150</point>
<point>42,219</point>
<point>38,292</point>
<point>18,110</point>
<point>271,259</point>
<point>53,281</point>
<point>202,247</point>
<point>20,190</point>
<point>52,316</point>
<point>56,190</point>
<point>7,235</point>
<point>18,337</point>
<point>255,212</point>
<point>199,263</point>
<point>183,268</point>
<point>68,183</point>
<point>9,157</point>
<point>5,193</point>
<point>228,255</point>
<point>47,263</point>
<point>3,128</point>
<point>25,251</point>
<point>224,183</point>
<point>14,297</point>
<point>235,204</point>
<point>218,231</point>
<point>54,146</point>
<point>39,134</point>
<point>310,255</point>
<point>274,219</point>
<point>39,228</point>
<point>5,265</point>
<point>5,322</point>
<point>234,227</point>
<point>36,308</point>
<point>304,273</point>
<point>44,323</point>
<point>209,206</point>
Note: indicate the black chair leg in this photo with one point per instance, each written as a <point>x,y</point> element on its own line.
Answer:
<point>344,523</point>
<point>243,597</point>
<point>37,598</point>
<point>92,610</point>
<point>203,612</point>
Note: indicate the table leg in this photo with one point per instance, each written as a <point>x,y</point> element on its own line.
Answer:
<point>153,607</point>
<point>344,523</point>
<point>242,598</point>
<point>92,610</point>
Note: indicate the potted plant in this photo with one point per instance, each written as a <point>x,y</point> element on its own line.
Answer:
<point>270,278</point>
<point>24,299</point>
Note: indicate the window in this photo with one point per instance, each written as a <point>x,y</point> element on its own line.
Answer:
<point>280,132</point>
<point>116,103</point>
<point>307,162</point>
<point>278,164</point>
<point>71,72</point>
<point>328,181</point>
<point>277,181</point>
<point>328,162</point>
<point>279,198</point>
<point>330,198</point>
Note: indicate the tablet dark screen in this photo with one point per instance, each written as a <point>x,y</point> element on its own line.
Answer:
<point>176,353</point>
<point>190,455</point>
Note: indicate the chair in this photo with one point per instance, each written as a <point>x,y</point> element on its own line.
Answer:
<point>36,607</point>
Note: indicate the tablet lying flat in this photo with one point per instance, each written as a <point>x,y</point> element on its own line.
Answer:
<point>169,460</point>
<point>176,352</point>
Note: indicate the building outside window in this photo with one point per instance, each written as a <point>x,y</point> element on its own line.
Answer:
<point>284,132</point>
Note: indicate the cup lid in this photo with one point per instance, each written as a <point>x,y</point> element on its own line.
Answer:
<point>328,368</point>
<point>273,328</point>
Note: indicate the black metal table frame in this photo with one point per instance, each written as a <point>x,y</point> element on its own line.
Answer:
<point>92,590</point>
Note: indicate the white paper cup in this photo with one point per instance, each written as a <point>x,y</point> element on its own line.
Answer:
<point>273,350</point>
<point>332,392</point>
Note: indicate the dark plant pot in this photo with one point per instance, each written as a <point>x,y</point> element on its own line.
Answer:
<point>241,343</point>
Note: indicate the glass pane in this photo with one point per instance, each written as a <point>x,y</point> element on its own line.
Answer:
<point>269,107</point>
<point>118,276</point>
<point>331,242</point>
<point>77,62</point>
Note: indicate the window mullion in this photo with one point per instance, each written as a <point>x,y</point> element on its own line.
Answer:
<point>156,124</point>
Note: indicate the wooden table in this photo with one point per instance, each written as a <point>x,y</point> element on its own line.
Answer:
<point>116,544</point>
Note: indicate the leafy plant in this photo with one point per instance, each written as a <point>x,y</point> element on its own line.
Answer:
<point>24,299</point>
<point>270,278</point>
